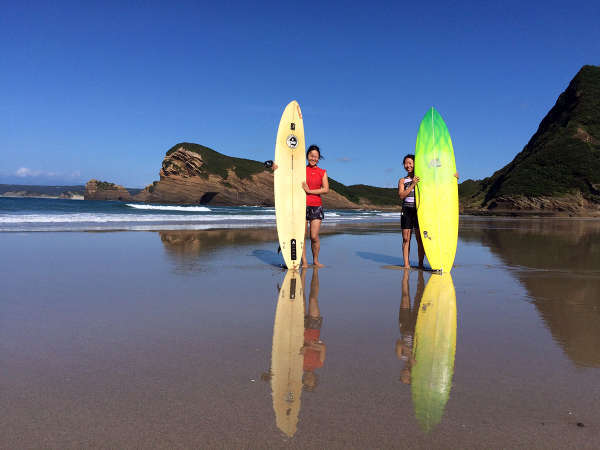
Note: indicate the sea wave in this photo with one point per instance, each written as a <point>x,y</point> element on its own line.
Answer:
<point>102,218</point>
<point>169,208</point>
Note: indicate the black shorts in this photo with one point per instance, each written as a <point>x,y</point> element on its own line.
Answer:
<point>313,323</point>
<point>314,213</point>
<point>409,219</point>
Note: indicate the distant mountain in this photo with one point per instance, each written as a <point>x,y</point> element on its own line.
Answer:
<point>41,191</point>
<point>559,168</point>
<point>192,174</point>
<point>22,190</point>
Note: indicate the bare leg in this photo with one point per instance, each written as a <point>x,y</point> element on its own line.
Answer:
<point>304,262</point>
<point>405,302</point>
<point>315,242</point>
<point>420,247</point>
<point>406,247</point>
<point>313,296</point>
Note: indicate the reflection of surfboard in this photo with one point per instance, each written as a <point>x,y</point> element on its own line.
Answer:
<point>290,198</point>
<point>437,191</point>
<point>434,350</point>
<point>286,359</point>
<point>400,267</point>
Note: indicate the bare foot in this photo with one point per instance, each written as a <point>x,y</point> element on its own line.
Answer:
<point>305,265</point>
<point>318,264</point>
<point>406,267</point>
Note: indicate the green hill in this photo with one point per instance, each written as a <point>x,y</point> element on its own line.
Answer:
<point>561,158</point>
<point>218,164</point>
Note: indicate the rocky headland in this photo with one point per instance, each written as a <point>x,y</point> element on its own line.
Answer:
<point>195,174</point>
<point>558,171</point>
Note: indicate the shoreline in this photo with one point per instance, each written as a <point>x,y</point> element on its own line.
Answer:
<point>50,197</point>
<point>385,226</point>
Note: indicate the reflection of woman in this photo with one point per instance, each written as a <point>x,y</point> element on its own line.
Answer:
<point>313,348</point>
<point>407,320</point>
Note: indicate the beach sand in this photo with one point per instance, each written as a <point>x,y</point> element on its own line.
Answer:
<point>164,340</point>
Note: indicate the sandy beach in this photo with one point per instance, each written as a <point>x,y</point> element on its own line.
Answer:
<point>164,340</point>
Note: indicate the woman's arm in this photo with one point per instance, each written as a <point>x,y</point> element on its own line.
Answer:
<point>324,189</point>
<point>402,191</point>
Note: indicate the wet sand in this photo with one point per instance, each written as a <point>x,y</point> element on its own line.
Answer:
<point>165,340</point>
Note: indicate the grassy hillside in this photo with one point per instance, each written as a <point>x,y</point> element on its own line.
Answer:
<point>562,157</point>
<point>216,163</point>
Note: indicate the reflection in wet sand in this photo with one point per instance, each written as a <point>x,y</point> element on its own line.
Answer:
<point>407,319</point>
<point>314,348</point>
<point>434,350</point>
<point>297,348</point>
<point>558,262</point>
<point>286,354</point>
<point>191,243</point>
<point>187,245</point>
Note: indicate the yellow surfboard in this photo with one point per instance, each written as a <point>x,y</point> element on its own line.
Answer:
<point>290,198</point>
<point>436,195</point>
<point>286,357</point>
<point>434,350</point>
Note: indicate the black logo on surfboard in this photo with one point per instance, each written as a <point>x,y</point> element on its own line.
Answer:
<point>292,141</point>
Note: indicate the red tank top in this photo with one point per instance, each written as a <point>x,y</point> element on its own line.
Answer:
<point>314,179</point>
<point>312,358</point>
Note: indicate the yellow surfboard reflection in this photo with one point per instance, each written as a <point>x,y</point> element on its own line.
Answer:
<point>434,350</point>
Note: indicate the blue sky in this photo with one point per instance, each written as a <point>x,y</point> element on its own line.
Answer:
<point>103,90</point>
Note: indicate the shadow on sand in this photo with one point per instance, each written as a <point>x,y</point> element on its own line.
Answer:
<point>382,259</point>
<point>269,257</point>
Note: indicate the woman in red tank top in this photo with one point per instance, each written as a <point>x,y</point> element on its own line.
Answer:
<point>316,185</point>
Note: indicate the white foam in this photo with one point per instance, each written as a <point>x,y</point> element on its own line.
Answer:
<point>169,208</point>
<point>103,218</point>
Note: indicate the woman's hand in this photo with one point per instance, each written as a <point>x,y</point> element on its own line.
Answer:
<point>270,165</point>
<point>305,187</point>
<point>456,175</point>
<point>415,181</point>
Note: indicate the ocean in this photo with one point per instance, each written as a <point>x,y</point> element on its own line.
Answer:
<point>35,214</point>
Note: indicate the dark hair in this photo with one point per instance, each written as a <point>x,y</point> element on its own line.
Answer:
<point>411,156</point>
<point>314,147</point>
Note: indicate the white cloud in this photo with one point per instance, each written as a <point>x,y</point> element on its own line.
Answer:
<point>25,172</point>
<point>344,159</point>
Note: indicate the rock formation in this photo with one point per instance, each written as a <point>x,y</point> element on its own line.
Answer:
<point>194,174</point>
<point>102,190</point>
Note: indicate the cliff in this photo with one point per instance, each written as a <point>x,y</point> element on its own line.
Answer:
<point>195,174</point>
<point>558,171</point>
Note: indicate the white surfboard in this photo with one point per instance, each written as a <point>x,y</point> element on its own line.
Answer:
<point>290,198</point>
